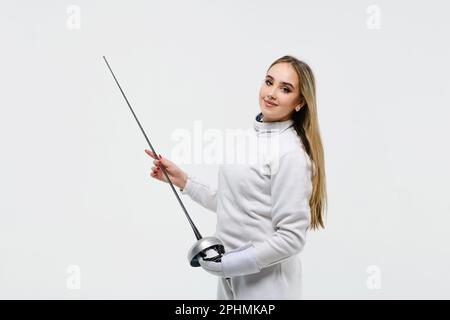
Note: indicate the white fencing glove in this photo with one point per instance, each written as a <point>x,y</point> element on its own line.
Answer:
<point>233,263</point>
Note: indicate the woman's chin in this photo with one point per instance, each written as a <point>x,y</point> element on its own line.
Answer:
<point>268,110</point>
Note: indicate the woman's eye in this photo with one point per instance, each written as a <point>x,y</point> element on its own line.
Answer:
<point>268,82</point>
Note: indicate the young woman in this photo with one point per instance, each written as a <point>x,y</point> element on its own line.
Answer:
<point>263,215</point>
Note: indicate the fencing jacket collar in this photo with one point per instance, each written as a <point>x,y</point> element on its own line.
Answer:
<point>276,126</point>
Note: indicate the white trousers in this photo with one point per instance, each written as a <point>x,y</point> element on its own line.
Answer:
<point>281,281</point>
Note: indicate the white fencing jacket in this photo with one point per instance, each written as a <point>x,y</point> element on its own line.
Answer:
<point>266,202</point>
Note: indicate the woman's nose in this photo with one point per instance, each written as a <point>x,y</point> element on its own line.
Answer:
<point>271,94</point>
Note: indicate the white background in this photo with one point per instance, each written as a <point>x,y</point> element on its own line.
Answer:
<point>75,185</point>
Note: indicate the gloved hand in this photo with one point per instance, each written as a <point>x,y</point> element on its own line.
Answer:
<point>233,263</point>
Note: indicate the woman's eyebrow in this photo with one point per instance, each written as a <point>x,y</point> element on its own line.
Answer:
<point>285,83</point>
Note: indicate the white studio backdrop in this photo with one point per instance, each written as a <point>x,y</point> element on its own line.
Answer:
<point>80,216</point>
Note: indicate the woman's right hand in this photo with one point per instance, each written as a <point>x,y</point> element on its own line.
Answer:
<point>176,175</point>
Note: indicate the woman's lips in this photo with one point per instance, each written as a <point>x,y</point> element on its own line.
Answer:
<point>269,104</point>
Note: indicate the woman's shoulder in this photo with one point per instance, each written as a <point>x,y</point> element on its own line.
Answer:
<point>290,142</point>
<point>289,147</point>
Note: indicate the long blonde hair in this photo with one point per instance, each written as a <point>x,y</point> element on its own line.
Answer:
<point>307,127</point>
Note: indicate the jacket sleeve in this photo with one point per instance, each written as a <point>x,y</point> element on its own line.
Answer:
<point>290,192</point>
<point>200,192</point>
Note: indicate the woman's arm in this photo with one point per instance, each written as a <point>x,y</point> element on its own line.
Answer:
<point>188,184</point>
<point>290,192</point>
<point>200,192</point>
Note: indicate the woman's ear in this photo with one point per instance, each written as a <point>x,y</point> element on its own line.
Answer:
<point>299,106</point>
<point>302,101</point>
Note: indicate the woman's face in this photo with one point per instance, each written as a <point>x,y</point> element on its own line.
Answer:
<point>281,88</point>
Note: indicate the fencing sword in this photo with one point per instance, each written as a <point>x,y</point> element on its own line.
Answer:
<point>202,245</point>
